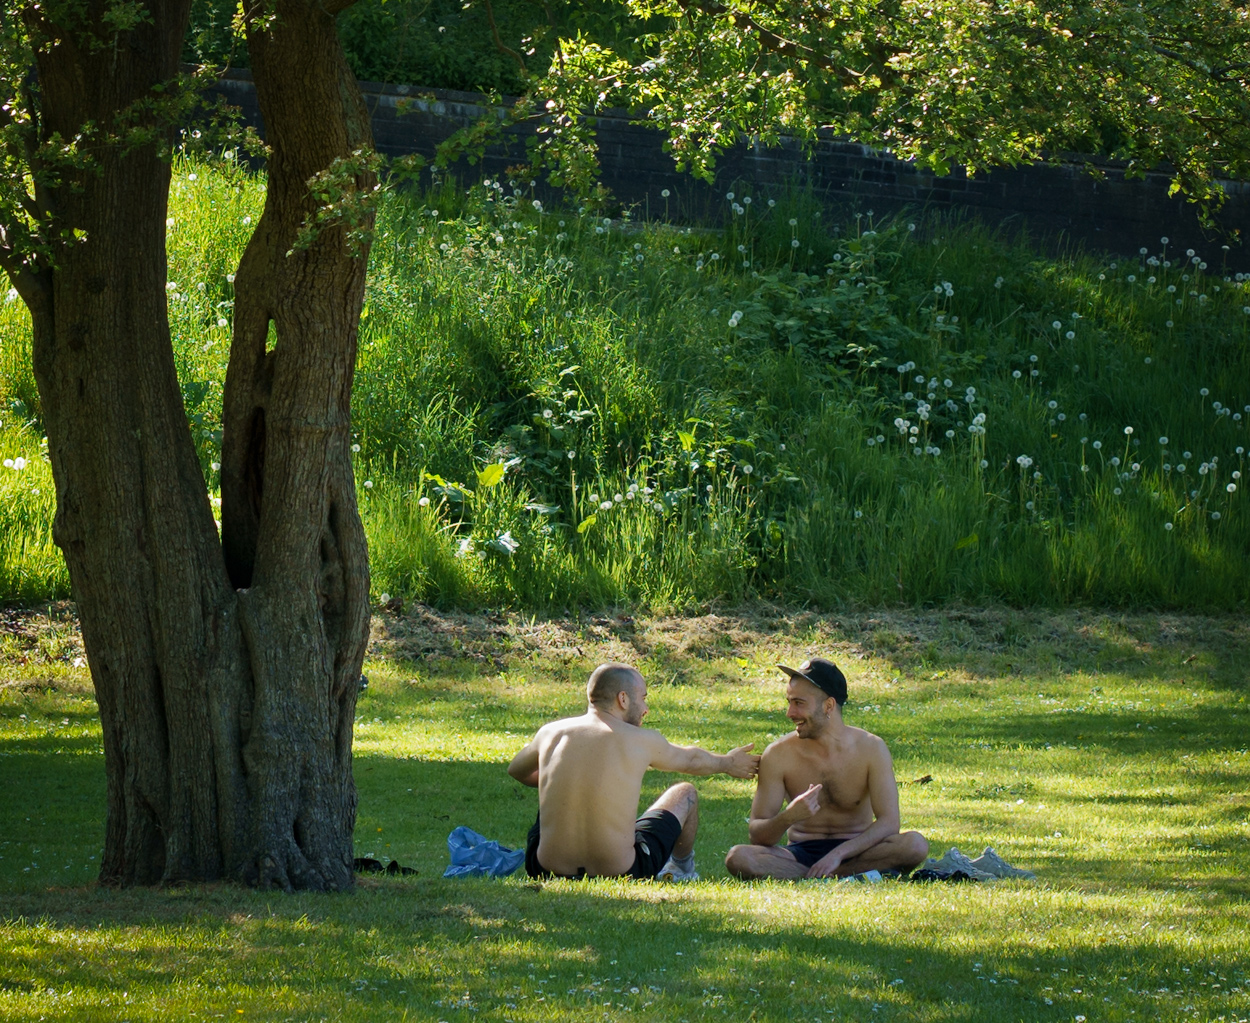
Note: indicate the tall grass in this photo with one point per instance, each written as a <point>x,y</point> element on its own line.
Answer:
<point>558,408</point>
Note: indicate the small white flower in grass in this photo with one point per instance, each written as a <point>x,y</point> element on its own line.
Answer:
<point>708,488</point>
<point>794,243</point>
<point>1136,467</point>
<point>171,285</point>
<point>1204,391</point>
<point>880,440</point>
<point>221,322</point>
<point>594,498</point>
<point>1028,505</point>
<point>1085,468</point>
<point>1024,461</point>
<point>1097,445</point>
<point>423,502</point>
<point>1236,474</point>
<point>1115,459</point>
<point>748,469</point>
<point>729,196</point>
<point>1117,491</point>
<point>1163,240</point>
<point>1037,475</point>
<point>950,434</point>
<point>984,464</point>
<point>1142,250</point>
<point>1169,324</point>
<point>355,449</point>
<point>1163,440</point>
<point>547,413</point>
<point>1132,278</point>
<point>1167,467</point>
<point>694,466</point>
<point>1186,454</point>
<point>1034,372</point>
<point>1052,404</point>
<point>1058,324</point>
<point>1128,431</point>
<point>1016,374</point>
<point>872,441</point>
<point>665,193</point>
<point>1231,488</point>
<point>1180,467</point>
<point>1070,335</point>
<point>618,498</point>
<point>606,506</point>
<point>859,514</point>
<point>1216,516</point>
<point>246,221</point>
<point>1061,417</point>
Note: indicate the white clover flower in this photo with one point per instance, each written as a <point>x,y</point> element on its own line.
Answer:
<point>618,498</point>
<point>547,413</point>
<point>215,466</point>
<point>708,488</point>
<point>355,449</point>
<point>368,484</point>
<point>221,322</point>
<point>423,502</point>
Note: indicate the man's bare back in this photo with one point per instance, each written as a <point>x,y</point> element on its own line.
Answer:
<point>589,770</point>
<point>830,787</point>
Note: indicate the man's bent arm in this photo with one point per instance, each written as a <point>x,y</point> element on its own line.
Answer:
<point>524,766</point>
<point>766,825</point>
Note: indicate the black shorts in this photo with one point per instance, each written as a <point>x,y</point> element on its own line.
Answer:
<point>807,853</point>
<point>655,834</point>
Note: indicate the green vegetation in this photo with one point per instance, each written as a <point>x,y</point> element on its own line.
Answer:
<point>559,409</point>
<point>1106,753</point>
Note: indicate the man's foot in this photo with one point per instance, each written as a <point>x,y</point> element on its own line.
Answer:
<point>671,871</point>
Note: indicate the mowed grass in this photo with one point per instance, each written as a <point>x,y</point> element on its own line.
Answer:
<point>1106,753</point>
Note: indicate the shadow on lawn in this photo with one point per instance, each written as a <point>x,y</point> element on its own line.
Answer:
<point>463,950</point>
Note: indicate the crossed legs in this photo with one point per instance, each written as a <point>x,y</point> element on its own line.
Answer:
<point>903,851</point>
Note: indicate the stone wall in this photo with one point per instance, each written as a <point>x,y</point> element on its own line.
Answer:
<point>1058,204</point>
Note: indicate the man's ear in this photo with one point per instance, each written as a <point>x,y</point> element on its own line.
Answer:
<point>622,699</point>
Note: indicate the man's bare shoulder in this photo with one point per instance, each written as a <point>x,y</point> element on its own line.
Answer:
<point>783,749</point>
<point>868,742</point>
<point>563,726</point>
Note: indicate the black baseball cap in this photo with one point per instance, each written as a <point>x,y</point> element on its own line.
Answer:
<point>824,675</point>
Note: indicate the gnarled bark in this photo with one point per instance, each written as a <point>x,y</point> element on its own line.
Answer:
<point>226,678</point>
<point>292,534</point>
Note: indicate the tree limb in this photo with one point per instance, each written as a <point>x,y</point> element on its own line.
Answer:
<point>499,43</point>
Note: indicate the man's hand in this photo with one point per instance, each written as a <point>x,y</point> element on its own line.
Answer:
<point>827,865</point>
<point>741,762</point>
<point>804,805</point>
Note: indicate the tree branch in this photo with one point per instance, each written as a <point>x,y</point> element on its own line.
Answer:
<point>499,43</point>
<point>778,44</point>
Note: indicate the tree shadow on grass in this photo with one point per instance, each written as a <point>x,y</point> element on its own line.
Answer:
<point>481,950</point>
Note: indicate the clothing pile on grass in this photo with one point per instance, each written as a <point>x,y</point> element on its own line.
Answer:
<point>956,866</point>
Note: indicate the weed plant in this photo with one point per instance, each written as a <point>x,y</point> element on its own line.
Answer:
<point>557,408</point>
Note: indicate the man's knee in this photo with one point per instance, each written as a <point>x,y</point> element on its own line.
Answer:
<point>683,792</point>
<point>915,846</point>
<point>739,861</point>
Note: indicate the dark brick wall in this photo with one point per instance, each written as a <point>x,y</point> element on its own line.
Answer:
<point>1056,203</point>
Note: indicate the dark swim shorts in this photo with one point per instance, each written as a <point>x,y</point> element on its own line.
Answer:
<point>655,834</point>
<point>807,853</point>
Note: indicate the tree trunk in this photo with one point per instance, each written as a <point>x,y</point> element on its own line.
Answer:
<point>291,531</point>
<point>133,519</point>
<point>226,684</point>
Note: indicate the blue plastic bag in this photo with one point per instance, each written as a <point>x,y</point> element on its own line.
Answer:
<point>474,855</point>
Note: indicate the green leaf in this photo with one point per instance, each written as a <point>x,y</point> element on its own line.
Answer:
<point>971,540</point>
<point>687,440</point>
<point>491,475</point>
<point>586,523</point>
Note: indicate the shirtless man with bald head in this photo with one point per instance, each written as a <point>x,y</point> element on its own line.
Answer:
<point>588,771</point>
<point>831,787</point>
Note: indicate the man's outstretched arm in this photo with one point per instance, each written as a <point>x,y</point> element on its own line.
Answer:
<point>740,762</point>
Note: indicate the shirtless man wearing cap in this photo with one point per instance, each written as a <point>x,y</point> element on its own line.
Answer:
<point>588,771</point>
<point>831,786</point>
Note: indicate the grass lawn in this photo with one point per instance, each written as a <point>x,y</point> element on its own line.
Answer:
<point>1106,753</point>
